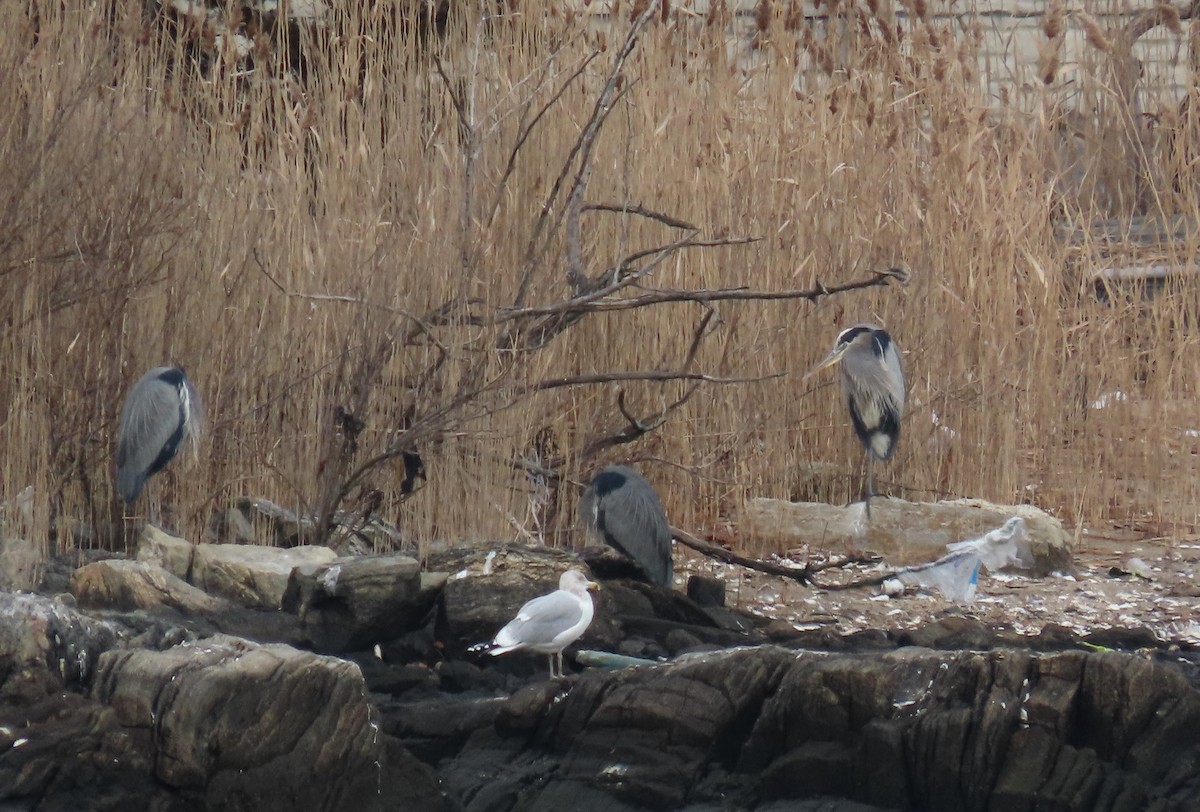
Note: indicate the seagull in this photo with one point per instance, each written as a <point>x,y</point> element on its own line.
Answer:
<point>550,623</point>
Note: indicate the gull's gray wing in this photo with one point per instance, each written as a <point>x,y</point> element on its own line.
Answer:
<point>541,620</point>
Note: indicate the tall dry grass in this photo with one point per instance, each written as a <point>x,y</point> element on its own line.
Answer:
<point>292,239</point>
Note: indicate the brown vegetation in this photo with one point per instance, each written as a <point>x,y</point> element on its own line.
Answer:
<point>439,244</point>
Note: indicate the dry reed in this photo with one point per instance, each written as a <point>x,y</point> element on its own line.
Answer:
<point>288,237</point>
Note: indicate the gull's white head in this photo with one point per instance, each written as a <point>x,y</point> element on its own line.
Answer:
<point>576,582</point>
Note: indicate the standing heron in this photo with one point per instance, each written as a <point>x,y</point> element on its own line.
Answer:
<point>550,623</point>
<point>873,385</point>
<point>621,507</point>
<point>161,411</point>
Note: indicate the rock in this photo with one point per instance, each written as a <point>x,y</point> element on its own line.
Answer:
<point>21,556</point>
<point>708,593</point>
<point>251,575</point>
<point>351,533</point>
<point>350,603</point>
<point>904,533</point>
<point>45,645</point>
<point>474,605</point>
<point>231,526</point>
<point>765,728</point>
<point>631,617</point>
<point>128,585</point>
<point>278,526</point>
<point>171,553</point>
<point>606,564</point>
<point>260,727</point>
<point>20,563</point>
<point>953,632</point>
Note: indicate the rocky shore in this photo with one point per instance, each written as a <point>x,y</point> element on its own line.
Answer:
<point>296,680</point>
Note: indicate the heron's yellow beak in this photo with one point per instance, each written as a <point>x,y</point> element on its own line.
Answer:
<point>593,586</point>
<point>834,356</point>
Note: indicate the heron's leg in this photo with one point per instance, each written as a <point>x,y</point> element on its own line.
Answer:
<point>870,491</point>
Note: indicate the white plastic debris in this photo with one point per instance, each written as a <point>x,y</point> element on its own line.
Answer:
<point>489,562</point>
<point>1004,547</point>
<point>1138,567</point>
<point>892,587</point>
<point>955,575</point>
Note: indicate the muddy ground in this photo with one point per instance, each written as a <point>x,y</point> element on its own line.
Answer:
<point>1109,589</point>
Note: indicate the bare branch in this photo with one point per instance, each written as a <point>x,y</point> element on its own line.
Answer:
<point>582,146</point>
<point>527,130</point>
<point>801,575</point>
<point>641,211</point>
<point>647,375</point>
<point>591,302</point>
<point>697,337</point>
<point>637,426</point>
<point>576,272</point>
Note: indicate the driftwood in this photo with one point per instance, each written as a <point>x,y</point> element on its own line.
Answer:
<point>803,574</point>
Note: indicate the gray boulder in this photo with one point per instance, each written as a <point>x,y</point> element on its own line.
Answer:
<point>904,533</point>
<point>351,603</point>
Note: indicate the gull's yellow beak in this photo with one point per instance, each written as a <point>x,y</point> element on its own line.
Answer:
<point>593,586</point>
<point>834,356</point>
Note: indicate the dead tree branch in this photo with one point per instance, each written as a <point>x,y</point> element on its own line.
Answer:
<point>641,211</point>
<point>801,575</point>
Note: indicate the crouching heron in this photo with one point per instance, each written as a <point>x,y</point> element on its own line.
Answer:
<point>621,507</point>
<point>873,385</point>
<point>161,412</point>
<point>550,623</point>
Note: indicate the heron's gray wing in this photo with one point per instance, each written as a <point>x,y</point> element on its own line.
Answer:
<point>541,620</point>
<point>895,374</point>
<point>150,420</point>
<point>632,520</point>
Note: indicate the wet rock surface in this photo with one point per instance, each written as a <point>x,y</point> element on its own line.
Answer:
<point>162,704</point>
<point>908,729</point>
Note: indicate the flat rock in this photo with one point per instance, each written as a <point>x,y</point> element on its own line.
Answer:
<point>350,603</point>
<point>264,727</point>
<point>171,553</point>
<point>128,585</point>
<point>252,575</point>
<point>488,588</point>
<point>904,533</point>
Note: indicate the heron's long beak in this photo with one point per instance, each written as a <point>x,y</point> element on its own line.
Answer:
<point>834,356</point>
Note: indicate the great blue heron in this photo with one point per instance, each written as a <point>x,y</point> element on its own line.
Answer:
<point>621,508</point>
<point>161,411</point>
<point>550,623</point>
<point>873,385</point>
